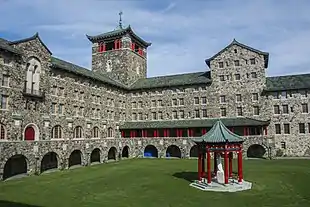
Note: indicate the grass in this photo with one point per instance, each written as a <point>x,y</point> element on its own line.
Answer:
<point>160,183</point>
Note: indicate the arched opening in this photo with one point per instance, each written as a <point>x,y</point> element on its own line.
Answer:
<point>256,151</point>
<point>125,152</point>
<point>112,153</point>
<point>150,151</point>
<point>194,151</point>
<point>95,155</point>
<point>15,165</point>
<point>29,133</point>
<point>173,151</point>
<point>75,158</point>
<point>49,161</point>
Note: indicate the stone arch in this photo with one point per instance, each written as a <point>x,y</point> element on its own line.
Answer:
<point>15,165</point>
<point>150,151</point>
<point>173,151</point>
<point>49,161</point>
<point>95,155</point>
<point>33,68</point>
<point>256,151</point>
<point>75,158</point>
<point>193,151</point>
<point>31,132</point>
<point>125,151</point>
<point>112,153</point>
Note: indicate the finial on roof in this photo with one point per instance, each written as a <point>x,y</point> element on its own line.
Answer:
<point>120,20</point>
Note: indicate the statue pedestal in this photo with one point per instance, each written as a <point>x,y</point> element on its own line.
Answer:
<point>220,177</point>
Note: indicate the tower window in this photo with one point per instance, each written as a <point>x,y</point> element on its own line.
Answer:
<point>237,63</point>
<point>235,51</point>
<point>109,46</point>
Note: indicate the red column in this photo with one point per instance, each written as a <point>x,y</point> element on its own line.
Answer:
<point>123,134</point>
<point>130,134</point>
<point>167,132</point>
<point>215,163</point>
<point>248,131</point>
<point>181,132</point>
<point>244,131</point>
<point>133,45</point>
<point>103,47</point>
<point>188,132</point>
<point>155,133</point>
<point>226,166</point>
<point>230,164</point>
<point>199,165</point>
<point>266,130</point>
<point>177,131</point>
<point>209,166</point>
<point>240,176</point>
<point>115,44</point>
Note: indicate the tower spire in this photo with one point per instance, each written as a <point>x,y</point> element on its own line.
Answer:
<point>120,20</point>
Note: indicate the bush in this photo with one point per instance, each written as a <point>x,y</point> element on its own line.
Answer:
<point>279,153</point>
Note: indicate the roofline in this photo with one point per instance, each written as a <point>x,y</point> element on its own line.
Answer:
<point>235,42</point>
<point>36,35</point>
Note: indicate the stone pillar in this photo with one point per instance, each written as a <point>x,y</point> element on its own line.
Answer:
<point>126,42</point>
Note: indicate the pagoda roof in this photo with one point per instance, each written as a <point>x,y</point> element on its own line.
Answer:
<point>235,42</point>
<point>118,32</point>
<point>219,134</point>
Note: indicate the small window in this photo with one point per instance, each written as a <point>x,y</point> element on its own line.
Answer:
<point>223,112</point>
<point>78,132</point>
<point>304,107</point>
<point>181,101</point>
<point>285,109</point>
<point>237,63</point>
<point>140,116</point>
<point>174,102</point>
<point>239,111</point>
<point>255,96</point>
<point>238,98</point>
<point>283,145</point>
<point>160,103</point>
<point>286,128</point>
<point>302,129</point>
<point>235,51</point>
<point>5,81</point>
<point>253,74</point>
<point>56,132</point>
<point>154,116</point>
<point>153,103</point>
<point>222,99</point>
<point>221,65</point>
<point>197,113</point>
<point>276,109</point>
<point>182,114</point>
<point>204,113</point>
<point>252,61</point>
<point>95,132</point>
<point>134,116</point>
<point>4,102</point>
<point>278,128</point>
<point>160,115</point>
<point>203,100</point>
<point>237,76</point>
<point>175,115</point>
<point>196,100</point>
<point>222,78</point>
<point>256,110</point>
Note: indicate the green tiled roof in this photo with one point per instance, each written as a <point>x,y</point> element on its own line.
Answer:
<point>118,32</point>
<point>240,121</point>
<point>219,134</point>
<point>70,67</point>
<point>172,80</point>
<point>235,42</point>
<point>5,45</point>
<point>289,82</point>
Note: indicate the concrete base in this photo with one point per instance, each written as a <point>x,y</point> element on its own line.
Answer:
<point>232,186</point>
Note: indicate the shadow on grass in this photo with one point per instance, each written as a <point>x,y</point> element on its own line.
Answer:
<point>188,176</point>
<point>14,204</point>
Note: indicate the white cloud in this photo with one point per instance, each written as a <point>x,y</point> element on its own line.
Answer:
<point>183,34</point>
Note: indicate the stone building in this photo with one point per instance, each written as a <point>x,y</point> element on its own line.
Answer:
<point>55,114</point>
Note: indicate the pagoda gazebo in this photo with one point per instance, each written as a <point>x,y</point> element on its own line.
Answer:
<point>219,141</point>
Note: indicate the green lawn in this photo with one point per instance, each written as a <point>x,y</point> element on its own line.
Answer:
<point>160,183</point>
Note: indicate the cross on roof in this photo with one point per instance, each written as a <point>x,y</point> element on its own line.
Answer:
<point>120,19</point>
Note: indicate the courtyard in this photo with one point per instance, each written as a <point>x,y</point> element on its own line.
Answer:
<point>158,182</point>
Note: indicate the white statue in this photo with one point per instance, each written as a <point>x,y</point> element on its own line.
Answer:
<point>220,172</point>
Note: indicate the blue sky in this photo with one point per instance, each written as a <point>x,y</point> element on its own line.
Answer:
<point>183,33</point>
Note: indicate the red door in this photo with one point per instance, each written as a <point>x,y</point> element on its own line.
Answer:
<point>29,133</point>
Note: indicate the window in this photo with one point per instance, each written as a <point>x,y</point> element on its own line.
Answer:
<point>221,65</point>
<point>4,102</point>
<point>252,61</point>
<point>283,145</point>
<point>110,132</point>
<point>53,108</point>
<point>2,132</point>
<point>78,132</point>
<point>238,97</point>
<point>5,81</point>
<point>60,109</point>
<point>196,100</point>
<point>174,102</point>
<point>153,103</point>
<point>302,129</point>
<point>276,109</point>
<point>134,116</point>
<point>98,114</point>
<point>235,51</point>
<point>54,90</point>
<point>160,103</point>
<point>223,112</point>
<point>181,101</point>
<point>222,78</point>
<point>139,116</point>
<point>255,96</point>
<point>204,100</point>
<point>304,107</point>
<point>204,113</point>
<point>286,128</point>
<point>160,115</point>
<point>253,74</point>
<point>278,128</point>
<point>95,132</point>
<point>285,109</point>
<point>76,110</point>
<point>56,132</point>
<point>237,76</point>
<point>222,99</point>
<point>182,114</point>
<point>175,115</point>
<point>134,105</point>
<point>239,111</point>
<point>140,104</point>
<point>61,92</point>
<point>255,110</point>
<point>81,111</point>
<point>237,63</point>
<point>82,96</point>
<point>154,115</point>
<point>197,114</point>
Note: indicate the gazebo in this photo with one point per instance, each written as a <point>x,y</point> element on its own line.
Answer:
<point>219,140</point>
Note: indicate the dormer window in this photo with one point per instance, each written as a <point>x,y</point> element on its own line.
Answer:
<point>252,61</point>
<point>221,65</point>
<point>237,63</point>
<point>235,51</point>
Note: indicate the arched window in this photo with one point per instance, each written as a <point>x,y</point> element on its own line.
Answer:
<point>57,132</point>
<point>95,132</point>
<point>2,132</point>
<point>33,75</point>
<point>110,132</point>
<point>78,132</point>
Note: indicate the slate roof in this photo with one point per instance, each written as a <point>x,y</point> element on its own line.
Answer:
<point>118,32</point>
<point>70,67</point>
<point>219,134</point>
<point>172,80</point>
<point>235,42</point>
<point>289,82</point>
<point>239,121</point>
<point>5,45</point>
